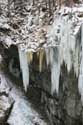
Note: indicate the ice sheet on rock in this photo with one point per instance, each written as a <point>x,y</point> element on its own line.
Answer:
<point>24,67</point>
<point>24,115</point>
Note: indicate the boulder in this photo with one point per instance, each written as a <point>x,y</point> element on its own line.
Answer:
<point>6,104</point>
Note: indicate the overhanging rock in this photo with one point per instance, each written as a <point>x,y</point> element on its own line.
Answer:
<point>63,44</point>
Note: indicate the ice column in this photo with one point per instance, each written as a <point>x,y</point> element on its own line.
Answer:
<point>55,69</point>
<point>24,67</point>
<point>80,82</point>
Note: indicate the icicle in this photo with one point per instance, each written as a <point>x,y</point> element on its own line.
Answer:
<point>24,67</point>
<point>80,82</point>
<point>41,56</point>
<point>30,57</point>
<point>69,62</point>
<point>76,61</point>
<point>55,69</point>
<point>47,51</point>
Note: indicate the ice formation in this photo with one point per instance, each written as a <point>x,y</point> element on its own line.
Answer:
<point>55,69</point>
<point>41,57</point>
<point>66,40</point>
<point>47,52</point>
<point>30,57</point>
<point>63,45</point>
<point>24,67</point>
<point>80,81</point>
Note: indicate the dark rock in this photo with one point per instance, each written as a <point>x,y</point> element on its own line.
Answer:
<point>5,108</point>
<point>5,124</point>
<point>6,101</point>
<point>67,109</point>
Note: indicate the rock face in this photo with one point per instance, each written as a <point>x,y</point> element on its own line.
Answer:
<point>62,46</point>
<point>15,109</point>
<point>66,109</point>
<point>63,107</point>
<point>6,102</point>
<point>5,108</point>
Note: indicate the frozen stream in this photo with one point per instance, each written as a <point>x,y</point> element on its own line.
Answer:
<point>22,112</point>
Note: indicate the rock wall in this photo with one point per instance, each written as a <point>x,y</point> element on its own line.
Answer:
<point>58,82</point>
<point>64,109</point>
<point>50,54</point>
<point>68,109</point>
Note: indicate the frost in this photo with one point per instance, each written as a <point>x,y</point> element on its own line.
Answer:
<point>24,67</point>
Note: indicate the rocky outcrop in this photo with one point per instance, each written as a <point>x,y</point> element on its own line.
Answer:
<point>68,109</point>
<point>5,108</point>
<point>15,109</point>
<point>50,55</point>
<point>64,109</point>
<point>6,102</point>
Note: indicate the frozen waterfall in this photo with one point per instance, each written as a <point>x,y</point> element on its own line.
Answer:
<point>65,48</point>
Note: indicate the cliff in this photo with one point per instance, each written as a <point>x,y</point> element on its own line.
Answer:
<point>49,49</point>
